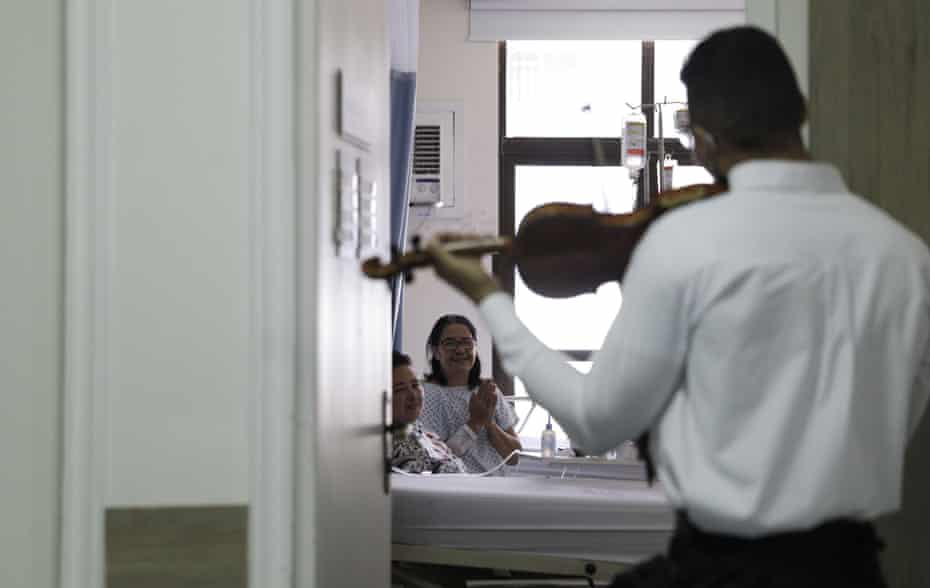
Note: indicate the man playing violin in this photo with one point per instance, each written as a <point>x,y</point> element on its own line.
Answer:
<point>773,339</point>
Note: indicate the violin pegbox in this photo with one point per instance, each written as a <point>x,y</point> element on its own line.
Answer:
<point>416,243</point>
<point>396,262</point>
<point>405,263</point>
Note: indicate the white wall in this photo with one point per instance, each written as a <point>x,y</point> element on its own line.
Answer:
<point>179,307</point>
<point>453,70</point>
<point>31,220</point>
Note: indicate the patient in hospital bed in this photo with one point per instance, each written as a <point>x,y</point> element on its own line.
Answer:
<point>415,450</point>
<point>468,412</point>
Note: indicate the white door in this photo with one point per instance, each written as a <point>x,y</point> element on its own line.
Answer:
<point>342,509</point>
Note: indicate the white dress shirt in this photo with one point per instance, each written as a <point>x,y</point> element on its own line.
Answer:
<point>775,338</point>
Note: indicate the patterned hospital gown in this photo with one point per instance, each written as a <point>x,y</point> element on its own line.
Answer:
<point>445,410</point>
<point>422,451</point>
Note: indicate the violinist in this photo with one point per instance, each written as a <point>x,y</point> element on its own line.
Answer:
<point>773,339</point>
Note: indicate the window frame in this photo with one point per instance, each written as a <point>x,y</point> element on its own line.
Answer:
<point>566,151</point>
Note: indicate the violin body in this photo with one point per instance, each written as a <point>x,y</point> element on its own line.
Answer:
<point>600,248</point>
<point>563,250</point>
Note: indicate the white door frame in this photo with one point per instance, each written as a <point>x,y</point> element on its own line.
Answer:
<point>89,30</point>
<point>787,20</point>
<point>88,207</point>
<point>273,301</point>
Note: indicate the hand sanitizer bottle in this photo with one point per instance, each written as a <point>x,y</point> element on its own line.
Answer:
<point>547,442</point>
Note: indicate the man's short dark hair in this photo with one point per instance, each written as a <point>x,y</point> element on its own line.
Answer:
<point>398,359</point>
<point>741,88</point>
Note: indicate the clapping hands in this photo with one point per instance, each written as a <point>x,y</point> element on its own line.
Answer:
<point>482,404</point>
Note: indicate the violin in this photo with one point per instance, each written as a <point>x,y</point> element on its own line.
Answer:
<point>561,250</point>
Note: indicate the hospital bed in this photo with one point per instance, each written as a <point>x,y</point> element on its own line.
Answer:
<point>546,518</point>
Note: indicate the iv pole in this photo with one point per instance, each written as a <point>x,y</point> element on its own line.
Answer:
<point>654,107</point>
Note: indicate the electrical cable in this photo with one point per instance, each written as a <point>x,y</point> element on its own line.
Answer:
<point>503,462</point>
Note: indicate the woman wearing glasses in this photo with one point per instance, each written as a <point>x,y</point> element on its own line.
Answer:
<point>467,412</point>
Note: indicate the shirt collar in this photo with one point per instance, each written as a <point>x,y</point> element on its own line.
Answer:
<point>777,175</point>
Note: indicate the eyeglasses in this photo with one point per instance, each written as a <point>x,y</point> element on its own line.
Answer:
<point>452,344</point>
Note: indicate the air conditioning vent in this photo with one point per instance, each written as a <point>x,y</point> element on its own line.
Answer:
<point>435,178</point>
<point>426,150</point>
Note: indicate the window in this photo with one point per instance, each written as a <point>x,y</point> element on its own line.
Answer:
<point>562,109</point>
<point>557,88</point>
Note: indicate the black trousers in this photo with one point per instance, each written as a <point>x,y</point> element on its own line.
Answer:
<point>840,554</point>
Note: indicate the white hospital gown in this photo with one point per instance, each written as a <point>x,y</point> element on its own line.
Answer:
<point>445,411</point>
<point>419,450</point>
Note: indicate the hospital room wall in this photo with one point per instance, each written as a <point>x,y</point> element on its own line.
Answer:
<point>870,87</point>
<point>451,69</point>
<point>31,262</point>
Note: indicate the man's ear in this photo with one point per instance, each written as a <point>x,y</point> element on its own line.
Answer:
<point>705,135</point>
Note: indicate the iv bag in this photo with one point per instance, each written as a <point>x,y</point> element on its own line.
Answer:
<point>634,142</point>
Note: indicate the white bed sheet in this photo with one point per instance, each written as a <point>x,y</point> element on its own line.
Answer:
<point>578,467</point>
<point>620,521</point>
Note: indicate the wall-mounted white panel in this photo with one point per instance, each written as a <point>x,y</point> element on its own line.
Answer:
<point>179,367</point>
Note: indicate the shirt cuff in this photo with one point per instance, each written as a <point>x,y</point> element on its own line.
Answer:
<point>462,440</point>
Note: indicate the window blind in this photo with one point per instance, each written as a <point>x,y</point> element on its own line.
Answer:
<point>516,20</point>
